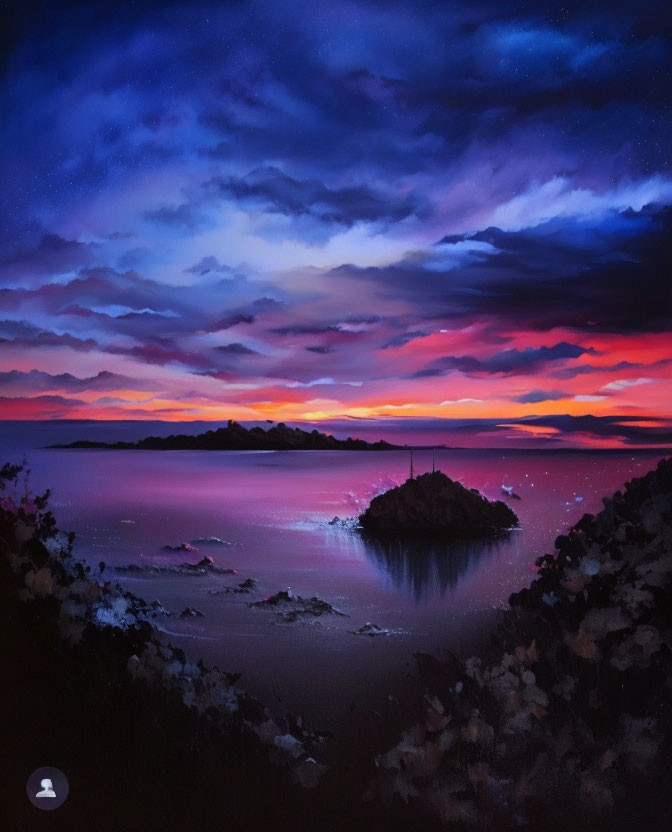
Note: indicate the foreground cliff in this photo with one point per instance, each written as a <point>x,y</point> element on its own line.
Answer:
<point>566,721</point>
<point>433,505</point>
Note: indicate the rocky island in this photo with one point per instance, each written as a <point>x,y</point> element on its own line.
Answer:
<point>235,437</point>
<point>433,505</point>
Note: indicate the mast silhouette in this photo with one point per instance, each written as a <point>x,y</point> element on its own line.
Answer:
<point>412,475</point>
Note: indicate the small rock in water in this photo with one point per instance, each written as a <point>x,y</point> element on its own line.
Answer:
<point>191,612</point>
<point>508,491</point>
<point>210,541</point>
<point>244,587</point>
<point>370,629</point>
<point>204,566</point>
<point>285,596</point>
<point>296,606</point>
<point>157,608</point>
<point>181,547</point>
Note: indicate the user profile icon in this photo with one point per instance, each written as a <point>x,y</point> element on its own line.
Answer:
<point>47,788</point>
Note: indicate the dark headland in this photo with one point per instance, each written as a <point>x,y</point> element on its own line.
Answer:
<point>433,505</point>
<point>235,437</point>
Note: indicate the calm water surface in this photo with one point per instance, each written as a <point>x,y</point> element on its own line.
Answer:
<point>274,510</point>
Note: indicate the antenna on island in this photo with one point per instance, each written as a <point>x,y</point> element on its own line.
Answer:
<point>412,476</point>
<point>433,466</point>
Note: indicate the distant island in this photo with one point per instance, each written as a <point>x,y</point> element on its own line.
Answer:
<point>234,437</point>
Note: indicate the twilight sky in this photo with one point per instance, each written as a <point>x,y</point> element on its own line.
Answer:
<point>449,219</point>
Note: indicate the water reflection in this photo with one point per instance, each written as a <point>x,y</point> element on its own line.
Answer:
<point>424,568</point>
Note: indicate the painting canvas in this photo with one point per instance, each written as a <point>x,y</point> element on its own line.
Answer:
<point>335,415</point>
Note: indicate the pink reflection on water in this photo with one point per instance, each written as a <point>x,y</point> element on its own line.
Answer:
<point>274,508</point>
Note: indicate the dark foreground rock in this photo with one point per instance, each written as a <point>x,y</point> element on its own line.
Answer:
<point>433,505</point>
<point>566,720</point>
<point>234,437</point>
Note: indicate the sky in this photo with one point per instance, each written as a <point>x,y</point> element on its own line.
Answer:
<point>438,219</point>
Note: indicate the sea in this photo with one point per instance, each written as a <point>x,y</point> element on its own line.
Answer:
<point>273,511</point>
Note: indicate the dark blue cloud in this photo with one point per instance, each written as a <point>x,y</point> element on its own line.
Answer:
<point>208,265</point>
<point>307,329</point>
<point>274,191</point>
<point>536,396</point>
<point>357,93</point>
<point>235,349</point>
<point>405,337</point>
<point>184,217</point>
<point>507,362</point>
<point>607,274</point>
<point>588,369</point>
<point>36,380</point>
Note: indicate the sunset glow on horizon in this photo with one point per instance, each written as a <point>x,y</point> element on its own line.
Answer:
<point>409,219</point>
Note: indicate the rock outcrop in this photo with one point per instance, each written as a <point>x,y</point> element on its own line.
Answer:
<point>205,566</point>
<point>433,505</point>
<point>291,607</point>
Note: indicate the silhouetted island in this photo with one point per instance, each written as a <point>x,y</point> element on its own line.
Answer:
<point>234,437</point>
<point>433,505</point>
